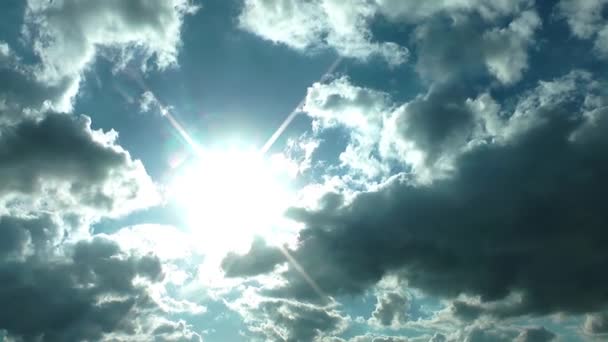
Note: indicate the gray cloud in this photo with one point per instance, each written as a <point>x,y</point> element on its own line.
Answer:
<point>491,333</point>
<point>67,35</point>
<point>490,50</point>
<point>596,324</point>
<point>520,214</point>
<point>280,320</point>
<point>586,21</point>
<point>320,24</point>
<point>261,258</point>
<point>81,166</point>
<point>83,296</point>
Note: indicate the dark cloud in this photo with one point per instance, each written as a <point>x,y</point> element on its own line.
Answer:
<point>491,333</point>
<point>261,258</point>
<point>465,311</point>
<point>61,152</point>
<point>438,122</point>
<point>57,147</point>
<point>82,297</point>
<point>22,236</point>
<point>523,215</point>
<point>57,175</point>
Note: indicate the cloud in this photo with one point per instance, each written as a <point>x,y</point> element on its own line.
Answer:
<point>586,21</point>
<point>320,24</point>
<point>280,320</point>
<point>24,95</point>
<point>347,28</point>
<point>373,338</point>
<point>415,11</point>
<point>260,259</point>
<point>473,231</point>
<point>390,309</point>
<point>63,158</point>
<point>596,324</point>
<point>538,334</point>
<point>491,49</point>
<point>487,332</point>
<point>59,175</point>
<point>67,35</point>
<point>359,111</point>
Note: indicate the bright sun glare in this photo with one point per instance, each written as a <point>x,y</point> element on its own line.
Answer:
<point>229,196</point>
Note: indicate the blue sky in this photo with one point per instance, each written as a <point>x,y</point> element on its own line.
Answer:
<point>438,172</point>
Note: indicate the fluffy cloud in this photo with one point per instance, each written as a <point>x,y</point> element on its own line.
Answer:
<point>360,111</point>
<point>390,309</point>
<point>596,324</point>
<point>59,175</point>
<point>519,213</point>
<point>280,320</point>
<point>261,258</point>
<point>586,21</point>
<point>319,24</point>
<point>62,158</point>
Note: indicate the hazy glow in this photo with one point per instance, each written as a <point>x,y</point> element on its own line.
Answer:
<point>229,196</point>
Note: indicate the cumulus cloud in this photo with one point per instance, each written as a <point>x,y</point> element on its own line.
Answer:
<point>414,11</point>
<point>586,21</point>
<point>59,175</point>
<point>487,332</point>
<point>360,111</point>
<point>531,193</point>
<point>67,36</point>
<point>306,25</point>
<point>67,33</point>
<point>391,309</point>
<point>24,95</point>
<point>260,259</point>
<point>281,320</point>
<point>596,324</point>
<point>320,24</point>
<point>89,292</point>
<point>63,158</point>
<point>499,51</point>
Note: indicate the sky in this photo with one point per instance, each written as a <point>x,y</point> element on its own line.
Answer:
<point>303,170</point>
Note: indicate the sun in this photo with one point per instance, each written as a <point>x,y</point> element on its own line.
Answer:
<point>229,196</point>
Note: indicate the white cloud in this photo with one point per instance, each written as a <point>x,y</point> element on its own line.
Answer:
<point>413,10</point>
<point>67,35</point>
<point>586,21</point>
<point>506,55</point>
<point>346,26</point>
<point>318,24</point>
